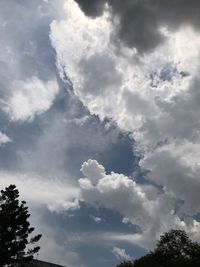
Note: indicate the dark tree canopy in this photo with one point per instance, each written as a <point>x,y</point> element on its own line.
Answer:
<point>174,249</point>
<point>175,246</point>
<point>126,264</point>
<point>15,243</point>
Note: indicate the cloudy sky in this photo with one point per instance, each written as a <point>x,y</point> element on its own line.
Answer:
<point>100,123</point>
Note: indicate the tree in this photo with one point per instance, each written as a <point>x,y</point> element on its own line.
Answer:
<point>126,264</point>
<point>174,249</point>
<point>15,243</point>
<point>175,246</point>
<point>149,260</point>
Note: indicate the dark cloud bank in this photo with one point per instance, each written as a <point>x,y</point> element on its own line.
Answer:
<point>138,22</point>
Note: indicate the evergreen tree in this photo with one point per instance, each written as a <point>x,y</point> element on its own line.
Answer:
<point>15,244</point>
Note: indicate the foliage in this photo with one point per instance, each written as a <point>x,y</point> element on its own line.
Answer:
<point>174,249</point>
<point>149,260</point>
<point>15,229</point>
<point>126,264</point>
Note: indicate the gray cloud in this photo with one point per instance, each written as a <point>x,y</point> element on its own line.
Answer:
<point>156,102</point>
<point>136,104</point>
<point>92,8</point>
<point>140,204</point>
<point>97,80</point>
<point>137,23</point>
<point>182,108</point>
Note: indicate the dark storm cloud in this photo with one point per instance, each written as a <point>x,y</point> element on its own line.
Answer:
<point>140,21</point>
<point>92,8</point>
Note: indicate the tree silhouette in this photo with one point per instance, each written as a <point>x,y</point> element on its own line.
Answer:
<point>15,244</point>
<point>126,264</point>
<point>174,249</point>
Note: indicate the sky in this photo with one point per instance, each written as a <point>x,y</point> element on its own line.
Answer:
<point>100,123</point>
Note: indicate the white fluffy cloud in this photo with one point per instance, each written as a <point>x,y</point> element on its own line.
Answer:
<point>154,96</point>
<point>96,219</point>
<point>28,72</point>
<point>4,138</point>
<point>142,205</point>
<point>30,97</point>
<point>121,254</point>
<point>118,84</point>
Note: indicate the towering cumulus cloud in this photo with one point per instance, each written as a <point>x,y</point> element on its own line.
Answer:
<point>99,122</point>
<point>137,62</point>
<point>141,205</point>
